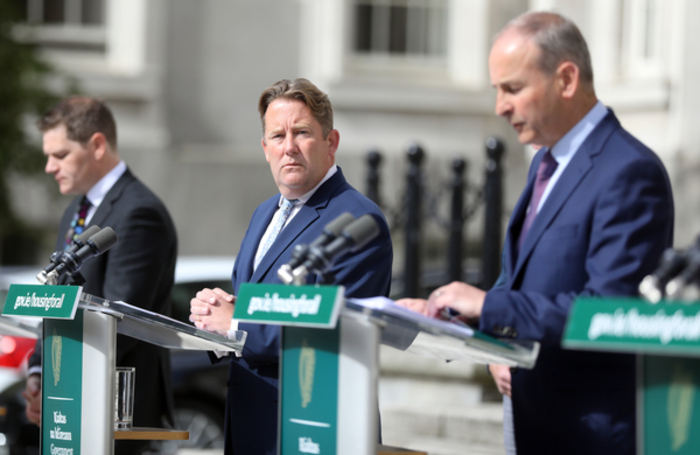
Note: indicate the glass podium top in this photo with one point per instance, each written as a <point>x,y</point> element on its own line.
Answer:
<point>407,330</point>
<point>161,330</point>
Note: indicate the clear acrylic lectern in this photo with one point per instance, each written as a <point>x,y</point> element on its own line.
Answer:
<point>78,369</point>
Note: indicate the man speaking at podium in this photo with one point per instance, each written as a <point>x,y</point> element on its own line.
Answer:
<point>300,145</point>
<point>80,144</point>
<point>593,220</point>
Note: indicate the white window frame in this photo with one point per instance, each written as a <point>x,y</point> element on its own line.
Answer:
<point>328,55</point>
<point>117,47</point>
<point>380,28</point>
<point>644,42</point>
<point>72,32</point>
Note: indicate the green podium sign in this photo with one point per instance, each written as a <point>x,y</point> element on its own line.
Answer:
<point>667,338</point>
<point>631,325</point>
<point>299,306</point>
<point>48,302</point>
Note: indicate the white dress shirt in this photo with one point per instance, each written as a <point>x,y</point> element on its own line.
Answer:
<point>99,190</point>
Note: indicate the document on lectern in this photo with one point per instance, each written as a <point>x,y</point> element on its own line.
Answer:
<point>408,330</point>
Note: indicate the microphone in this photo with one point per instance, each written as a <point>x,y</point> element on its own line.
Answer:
<point>95,245</point>
<point>354,237</point>
<point>329,233</point>
<point>57,256</point>
<point>653,286</point>
<point>675,287</point>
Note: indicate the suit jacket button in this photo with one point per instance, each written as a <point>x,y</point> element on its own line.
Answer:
<point>505,331</point>
<point>510,332</point>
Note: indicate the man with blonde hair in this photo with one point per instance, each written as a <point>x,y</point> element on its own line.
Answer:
<point>300,143</point>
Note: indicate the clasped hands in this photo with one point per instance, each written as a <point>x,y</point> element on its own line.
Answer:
<point>212,310</point>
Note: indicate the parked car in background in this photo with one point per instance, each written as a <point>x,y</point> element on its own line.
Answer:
<point>199,386</point>
<point>17,435</point>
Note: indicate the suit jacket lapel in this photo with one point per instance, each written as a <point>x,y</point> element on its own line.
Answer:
<point>516,220</point>
<point>110,199</point>
<point>573,175</point>
<point>246,256</point>
<point>568,181</point>
<point>307,215</point>
<point>66,220</point>
<point>101,213</point>
<point>285,240</point>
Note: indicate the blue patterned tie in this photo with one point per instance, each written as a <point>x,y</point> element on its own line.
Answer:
<point>285,210</point>
<point>77,226</point>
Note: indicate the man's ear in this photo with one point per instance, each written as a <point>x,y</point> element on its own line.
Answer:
<point>98,146</point>
<point>333,141</point>
<point>568,79</point>
<point>264,146</point>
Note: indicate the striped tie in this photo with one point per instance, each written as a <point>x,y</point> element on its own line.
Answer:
<point>285,210</point>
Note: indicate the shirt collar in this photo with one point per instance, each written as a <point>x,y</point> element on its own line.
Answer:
<point>97,193</point>
<point>567,146</point>
<point>304,199</point>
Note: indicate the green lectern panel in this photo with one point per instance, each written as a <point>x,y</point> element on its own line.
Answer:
<point>308,419</point>
<point>671,414</point>
<point>62,373</point>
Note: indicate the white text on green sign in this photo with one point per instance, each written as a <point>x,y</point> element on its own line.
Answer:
<point>55,302</point>
<point>307,306</point>
<point>633,325</point>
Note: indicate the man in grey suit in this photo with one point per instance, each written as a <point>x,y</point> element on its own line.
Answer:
<point>80,144</point>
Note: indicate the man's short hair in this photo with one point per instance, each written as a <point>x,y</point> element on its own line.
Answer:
<point>83,117</point>
<point>303,90</point>
<point>558,39</point>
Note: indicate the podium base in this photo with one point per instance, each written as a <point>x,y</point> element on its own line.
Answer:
<point>387,450</point>
<point>153,434</point>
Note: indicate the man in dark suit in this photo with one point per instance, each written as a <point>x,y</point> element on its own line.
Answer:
<point>300,144</point>
<point>593,220</point>
<point>80,144</point>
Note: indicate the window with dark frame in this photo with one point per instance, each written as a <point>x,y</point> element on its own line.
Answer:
<point>400,27</point>
<point>63,12</point>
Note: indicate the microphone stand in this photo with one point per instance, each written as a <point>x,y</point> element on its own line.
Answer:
<point>75,279</point>
<point>327,277</point>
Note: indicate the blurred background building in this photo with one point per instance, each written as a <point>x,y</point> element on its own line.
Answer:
<point>183,78</point>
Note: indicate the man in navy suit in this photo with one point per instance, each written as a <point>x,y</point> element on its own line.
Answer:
<point>300,145</point>
<point>593,220</point>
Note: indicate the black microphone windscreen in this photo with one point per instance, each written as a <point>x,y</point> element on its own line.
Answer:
<point>332,230</point>
<point>104,240</point>
<point>672,262</point>
<point>336,226</point>
<point>87,233</point>
<point>362,230</point>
